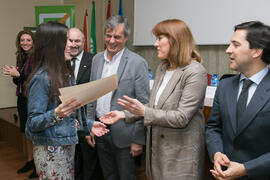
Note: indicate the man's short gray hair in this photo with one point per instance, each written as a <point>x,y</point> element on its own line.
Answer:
<point>114,21</point>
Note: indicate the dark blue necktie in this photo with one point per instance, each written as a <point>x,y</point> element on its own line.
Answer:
<point>242,101</point>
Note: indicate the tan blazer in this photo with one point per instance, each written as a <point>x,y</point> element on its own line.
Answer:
<point>175,128</point>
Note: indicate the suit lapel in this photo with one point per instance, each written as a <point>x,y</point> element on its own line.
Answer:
<point>232,101</point>
<point>156,85</point>
<point>83,67</point>
<point>122,64</point>
<point>169,87</point>
<point>258,100</point>
<point>100,67</point>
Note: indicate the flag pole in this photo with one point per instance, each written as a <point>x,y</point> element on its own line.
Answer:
<point>93,45</point>
<point>85,30</point>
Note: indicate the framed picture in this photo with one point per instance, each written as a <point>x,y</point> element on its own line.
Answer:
<point>33,29</point>
<point>63,14</point>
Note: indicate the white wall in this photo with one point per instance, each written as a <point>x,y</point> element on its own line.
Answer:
<point>15,14</point>
<point>211,21</point>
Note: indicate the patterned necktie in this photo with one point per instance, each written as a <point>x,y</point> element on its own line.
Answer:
<point>242,101</point>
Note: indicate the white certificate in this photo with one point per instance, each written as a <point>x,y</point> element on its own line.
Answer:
<point>88,92</point>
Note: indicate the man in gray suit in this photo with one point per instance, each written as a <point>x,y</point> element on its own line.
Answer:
<point>238,129</point>
<point>118,148</point>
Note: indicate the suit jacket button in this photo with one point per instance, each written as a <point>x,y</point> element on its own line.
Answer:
<point>162,136</point>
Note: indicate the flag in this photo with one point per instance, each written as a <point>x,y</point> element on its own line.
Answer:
<point>85,30</point>
<point>120,11</point>
<point>93,45</point>
<point>108,10</point>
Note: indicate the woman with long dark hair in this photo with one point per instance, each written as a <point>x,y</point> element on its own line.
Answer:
<point>51,125</point>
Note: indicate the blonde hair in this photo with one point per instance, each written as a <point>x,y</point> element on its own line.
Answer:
<point>182,45</point>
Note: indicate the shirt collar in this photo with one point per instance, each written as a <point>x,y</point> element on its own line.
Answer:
<point>256,78</point>
<point>116,56</point>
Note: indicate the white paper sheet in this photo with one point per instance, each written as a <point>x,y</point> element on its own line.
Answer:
<point>88,92</point>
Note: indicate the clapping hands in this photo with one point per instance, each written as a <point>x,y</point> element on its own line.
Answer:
<point>10,71</point>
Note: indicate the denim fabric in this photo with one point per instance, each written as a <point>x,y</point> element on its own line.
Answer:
<point>41,126</point>
<point>85,124</point>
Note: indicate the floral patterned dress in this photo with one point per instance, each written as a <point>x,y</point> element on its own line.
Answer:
<point>54,162</point>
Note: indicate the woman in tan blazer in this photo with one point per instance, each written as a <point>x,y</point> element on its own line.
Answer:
<point>174,116</point>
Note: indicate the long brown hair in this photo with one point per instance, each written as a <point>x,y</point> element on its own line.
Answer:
<point>20,52</point>
<point>51,38</point>
<point>182,45</point>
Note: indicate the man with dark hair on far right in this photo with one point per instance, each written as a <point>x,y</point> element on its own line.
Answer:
<point>238,129</point>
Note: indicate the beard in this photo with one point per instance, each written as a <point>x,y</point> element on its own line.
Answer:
<point>75,51</point>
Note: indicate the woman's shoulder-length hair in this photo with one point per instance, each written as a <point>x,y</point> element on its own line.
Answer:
<point>182,45</point>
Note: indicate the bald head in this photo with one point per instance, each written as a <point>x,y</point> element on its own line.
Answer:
<point>75,41</point>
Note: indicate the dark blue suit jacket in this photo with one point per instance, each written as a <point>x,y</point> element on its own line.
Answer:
<point>249,143</point>
<point>85,68</point>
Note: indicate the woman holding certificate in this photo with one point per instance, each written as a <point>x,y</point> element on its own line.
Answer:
<point>51,125</point>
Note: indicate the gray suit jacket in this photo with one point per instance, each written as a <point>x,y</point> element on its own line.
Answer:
<point>249,144</point>
<point>133,81</point>
<point>175,128</point>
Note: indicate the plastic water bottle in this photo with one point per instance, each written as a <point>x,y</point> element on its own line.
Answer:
<point>151,78</point>
<point>150,74</point>
<point>214,80</point>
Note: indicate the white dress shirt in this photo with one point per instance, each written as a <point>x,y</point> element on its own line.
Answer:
<point>77,64</point>
<point>109,68</point>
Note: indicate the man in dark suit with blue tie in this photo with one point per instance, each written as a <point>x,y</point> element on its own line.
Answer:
<point>86,160</point>
<point>238,129</point>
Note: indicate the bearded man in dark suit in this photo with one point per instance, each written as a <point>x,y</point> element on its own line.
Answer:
<point>86,159</point>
